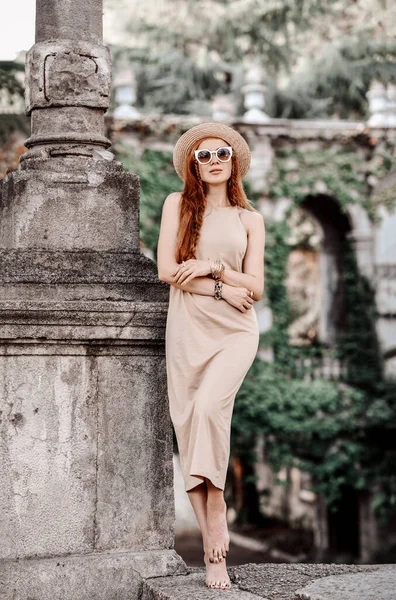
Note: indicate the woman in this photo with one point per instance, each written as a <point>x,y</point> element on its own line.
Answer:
<point>211,252</point>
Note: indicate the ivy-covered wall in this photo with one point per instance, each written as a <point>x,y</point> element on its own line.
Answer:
<point>346,170</point>
<point>330,429</point>
<point>341,432</point>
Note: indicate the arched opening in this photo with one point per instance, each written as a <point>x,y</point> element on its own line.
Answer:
<point>320,229</point>
<point>315,287</point>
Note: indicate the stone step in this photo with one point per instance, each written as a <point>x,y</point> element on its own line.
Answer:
<point>281,582</point>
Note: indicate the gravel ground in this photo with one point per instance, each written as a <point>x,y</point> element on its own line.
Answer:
<point>251,582</point>
<point>279,582</point>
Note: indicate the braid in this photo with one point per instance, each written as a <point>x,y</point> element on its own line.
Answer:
<point>197,218</point>
<point>232,183</point>
<point>200,182</point>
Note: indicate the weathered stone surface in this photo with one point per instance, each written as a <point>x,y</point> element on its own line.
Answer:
<point>71,20</point>
<point>134,328</point>
<point>84,450</point>
<point>270,582</point>
<point>377,585</point>
<point>279,581</point>
<point>68,77</point>
<point>135,503</point>
<point>67,73</point>
<point>190,586</point>
<point>99,576</point>
<point>77,267</point>
<point>70,204</point>
<point>48,465</point>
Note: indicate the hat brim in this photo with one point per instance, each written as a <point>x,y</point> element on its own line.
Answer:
<point>186,142</point>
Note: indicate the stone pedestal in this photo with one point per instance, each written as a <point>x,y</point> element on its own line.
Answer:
<point>86,455</point>
<point>86,472</point>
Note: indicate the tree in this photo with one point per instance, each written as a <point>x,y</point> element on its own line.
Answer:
<point>319,55</point>
<point>9,81</point>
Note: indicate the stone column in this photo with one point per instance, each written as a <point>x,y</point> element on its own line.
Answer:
<point>86,476</point>
<point>362,239</point>
<point>320,529</point>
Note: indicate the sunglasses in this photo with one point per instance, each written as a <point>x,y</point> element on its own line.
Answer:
<point>205,156</point>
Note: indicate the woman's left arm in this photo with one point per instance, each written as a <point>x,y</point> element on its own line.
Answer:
<point>253,263</point>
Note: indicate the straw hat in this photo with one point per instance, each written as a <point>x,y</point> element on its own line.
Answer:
<point>186,142</point>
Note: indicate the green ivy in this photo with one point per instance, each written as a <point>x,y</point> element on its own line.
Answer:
<point>314,426</point>
<point>343,172</point>
<point>11,123</point>
<point>157,180</point>
<point>277,253</point>
<point>358,345</point>
<point>341,432</point>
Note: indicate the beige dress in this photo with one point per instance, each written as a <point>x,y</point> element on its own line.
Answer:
<point>210,346</point>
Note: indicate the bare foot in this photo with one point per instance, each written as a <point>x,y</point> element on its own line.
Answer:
<point>218,539</point>
<point>216,575</point>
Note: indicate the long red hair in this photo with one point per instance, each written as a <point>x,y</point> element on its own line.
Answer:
<point>193,203</point>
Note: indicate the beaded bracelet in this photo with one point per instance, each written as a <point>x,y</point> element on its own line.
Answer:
<point>218,289</point>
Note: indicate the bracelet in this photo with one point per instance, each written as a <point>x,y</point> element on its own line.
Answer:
<point>218,289</point>
<point>217,270</point>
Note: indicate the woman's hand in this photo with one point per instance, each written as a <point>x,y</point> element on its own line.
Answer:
<point>191,268</point>
<point>237,296</point>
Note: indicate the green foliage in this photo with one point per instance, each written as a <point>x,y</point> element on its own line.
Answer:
<point>315,426</point>
<point>337,79</point>
<point>12,91</point>
<point>383,167</point>
<point>340,169</point>
<point>277,253</point>
<point>168,81</point>
<point>358,346</point>
<point>157,180</point>
<point>340,432</point>
<point>318,57</point>
<point>10,123</point>
<point>8,79</point>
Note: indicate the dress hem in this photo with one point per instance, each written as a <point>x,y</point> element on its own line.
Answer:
<point>188,488</point>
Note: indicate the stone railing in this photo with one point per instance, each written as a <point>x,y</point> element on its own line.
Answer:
<point>326,366</point>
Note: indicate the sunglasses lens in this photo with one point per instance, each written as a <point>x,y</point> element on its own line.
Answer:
<point>223,154</point>
<point>204,156</point>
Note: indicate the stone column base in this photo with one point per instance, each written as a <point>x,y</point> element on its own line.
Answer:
<point>97,576</point>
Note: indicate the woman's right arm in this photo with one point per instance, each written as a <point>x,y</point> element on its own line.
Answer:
<point>167,248</point>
